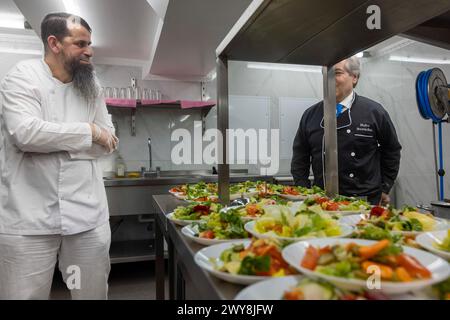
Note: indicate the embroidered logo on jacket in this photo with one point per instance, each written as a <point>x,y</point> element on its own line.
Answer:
<point>364,127</point>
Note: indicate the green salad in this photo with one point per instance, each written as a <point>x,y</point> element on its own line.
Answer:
<point>406,219</point>
<point>221,225</point>
<point>372,232</point>
<point>195,211</point>
<point>310,222</point>
<point>445,244</point>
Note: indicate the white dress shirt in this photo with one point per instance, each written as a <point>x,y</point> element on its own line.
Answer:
<point>51,182</point>
<point>348,101</point>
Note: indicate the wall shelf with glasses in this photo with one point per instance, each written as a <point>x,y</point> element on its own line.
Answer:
<point>133,104</point>
<point>183,104</point>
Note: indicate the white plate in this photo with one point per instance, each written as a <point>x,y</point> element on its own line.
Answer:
<point>427,239</point>
<point>207,257</point>
<point>235,196</point>
<point>274,289</point>
<point>292,197</point>
<point>245,218</point>
<point>179,222</point>
<point>250,193</point>
<point>250,227</point>
<point>441,224</point>
<point>179,195</point>
<point>189,232</point>
<point>438,267</point>
<point>346,213</point>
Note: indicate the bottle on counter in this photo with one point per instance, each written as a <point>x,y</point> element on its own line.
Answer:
<point>120,167</point>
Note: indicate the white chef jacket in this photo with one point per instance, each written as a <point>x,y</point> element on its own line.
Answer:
<point>51,181</point>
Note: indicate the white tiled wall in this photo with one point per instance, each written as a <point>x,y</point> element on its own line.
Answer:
<point>154,123</point>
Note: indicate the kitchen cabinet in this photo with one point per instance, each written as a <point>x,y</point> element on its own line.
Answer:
<point>132,219</point>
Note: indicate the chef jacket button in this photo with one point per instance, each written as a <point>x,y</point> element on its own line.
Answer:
<point>353,154</point>
<point>351,175</point>
<point>348,130</point>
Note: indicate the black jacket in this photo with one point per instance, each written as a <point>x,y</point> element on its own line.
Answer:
<point>368,149</point>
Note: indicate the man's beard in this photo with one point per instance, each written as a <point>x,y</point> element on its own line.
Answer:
<point>83,79</point>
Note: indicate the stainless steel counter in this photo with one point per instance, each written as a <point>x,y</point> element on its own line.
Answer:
<point>176,180</point>
<point>184,274</point>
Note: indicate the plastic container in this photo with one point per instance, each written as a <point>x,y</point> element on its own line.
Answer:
<point>120,167</point>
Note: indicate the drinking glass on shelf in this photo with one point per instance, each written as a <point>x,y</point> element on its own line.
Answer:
<point>146,94</point>
<point>129,93</point>
<point>123,93</point>
<point>108,92</point>
<point>115,93</point>
<point>152,94</point>
<point>158,95</point>
<point>138,93</point>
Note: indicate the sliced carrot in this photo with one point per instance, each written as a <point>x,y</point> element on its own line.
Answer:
<point>243,253</point>
<point>277,228</point>
<point>367,252</point>
<point>386,272</point>
<point>350,246</point>
<point>252,209</point>
<point>310,259</point>
<point>262,250</point>
<point>332,206</point>
<point>290,190</point>
<point>413,266</point>
<point>391,260</point>
<point>324,250</point>
<point>294,294</point>
<point>208,234</point>
<point>402,274</point>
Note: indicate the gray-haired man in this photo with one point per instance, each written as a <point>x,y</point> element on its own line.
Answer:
<point>368,147</point>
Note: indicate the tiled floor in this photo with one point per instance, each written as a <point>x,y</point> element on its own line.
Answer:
<point>126,281</point>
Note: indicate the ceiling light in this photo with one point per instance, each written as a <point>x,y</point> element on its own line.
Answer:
<point>284,67</point>
<point>419,60</point>
<point>13,21</point>
<point>359,54</point>
<point>21,51</point>
<point>72,7</point>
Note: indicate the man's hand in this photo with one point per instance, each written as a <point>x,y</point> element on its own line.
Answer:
<point>104,138</point>
<point>385,199</point>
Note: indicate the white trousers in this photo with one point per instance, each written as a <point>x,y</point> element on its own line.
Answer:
<point>27,264</point>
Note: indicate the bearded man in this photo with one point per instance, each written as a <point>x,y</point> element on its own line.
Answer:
<point>54,126</point>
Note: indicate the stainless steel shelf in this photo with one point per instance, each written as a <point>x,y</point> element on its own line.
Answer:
<point>320,32</point>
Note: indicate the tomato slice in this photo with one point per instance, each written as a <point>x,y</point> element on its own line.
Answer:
<point>376,211</point>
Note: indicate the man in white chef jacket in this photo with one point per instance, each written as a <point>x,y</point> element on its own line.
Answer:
<point>53,207</point>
